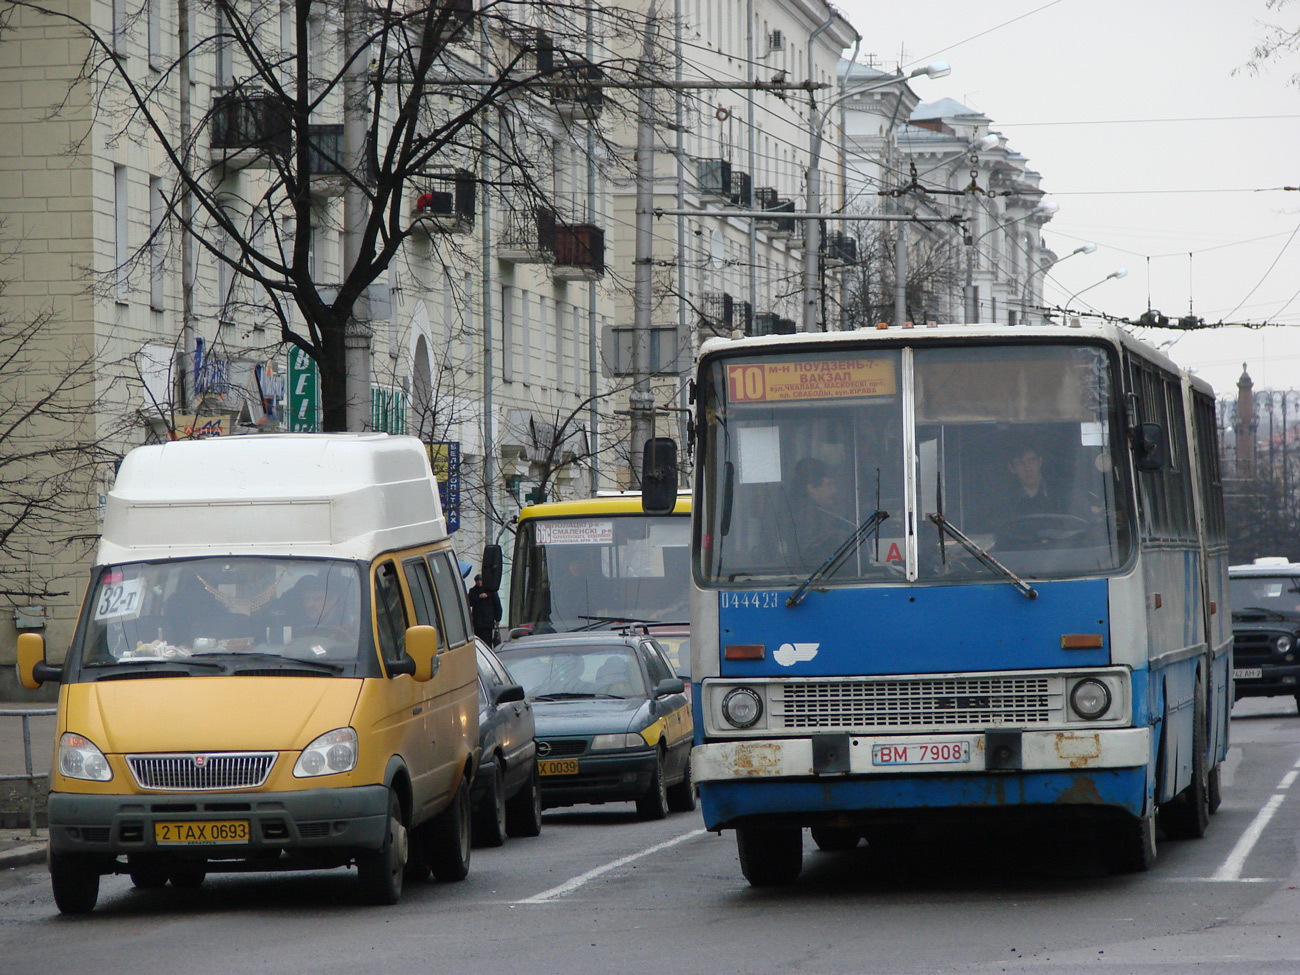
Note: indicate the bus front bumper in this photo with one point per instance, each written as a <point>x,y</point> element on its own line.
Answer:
<point>808,778</point>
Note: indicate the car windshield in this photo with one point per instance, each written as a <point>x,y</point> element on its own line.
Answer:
<point>1279,594</point>
<point>178,611</point>
<point>557,673</point>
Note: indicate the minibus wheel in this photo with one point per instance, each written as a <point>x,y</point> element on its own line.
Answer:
<point>449,839</point>
<point>76,883</point>
<point>380,872</point>
<point>770,857</point>
<point>147,872</point>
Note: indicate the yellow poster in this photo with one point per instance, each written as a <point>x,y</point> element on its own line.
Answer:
<point>802,379</point>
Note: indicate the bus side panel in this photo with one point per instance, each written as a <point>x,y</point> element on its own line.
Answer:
<point>1219,697</point>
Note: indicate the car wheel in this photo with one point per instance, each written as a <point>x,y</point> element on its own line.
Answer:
<point>770,857</point>
<point>524,809</point>
<point>147,872</point>
<point>380,872</point>
<point>76,883</point>
<point>681,797</point>
<point>449,844</point>
<point>489,828</point>
<point>653,803</point>
<point>834,838</point>
<point>188,874</point>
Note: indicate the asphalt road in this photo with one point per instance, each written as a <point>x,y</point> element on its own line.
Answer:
<point>600,892</point>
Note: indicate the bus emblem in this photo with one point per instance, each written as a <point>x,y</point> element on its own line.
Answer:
<point>789,654</point>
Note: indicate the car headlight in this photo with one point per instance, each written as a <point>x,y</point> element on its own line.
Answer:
<point>742,707</point>
<point>331,753</point>
<point>606,743</point>
<point>1284,643</point>
<point>79,758</point>
<point>1090,698</point>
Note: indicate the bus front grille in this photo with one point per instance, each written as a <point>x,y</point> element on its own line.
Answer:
<point>954,703</point>
<point>201,772</point>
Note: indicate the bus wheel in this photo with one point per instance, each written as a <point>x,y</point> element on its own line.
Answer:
<point>1131,844</point>
<point>832,838</point>
<point>770,857</point>
<point>1216,789</point>
<point>76,883</point>
<point>1187,817</point>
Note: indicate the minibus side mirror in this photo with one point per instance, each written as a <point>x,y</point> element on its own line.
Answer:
<point>1148,447</point>
<point>491,567</point>
<point>422,652</point>
<point>32,669</point>
<point>659,476</point>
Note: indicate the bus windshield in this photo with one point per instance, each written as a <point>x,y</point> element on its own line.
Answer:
<point>586,572</point>
<point>974,457</point>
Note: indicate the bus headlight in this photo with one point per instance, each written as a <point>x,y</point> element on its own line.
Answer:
<point>1284,643</point>
<point>742,707</point>
<point>1090,698</point>
<point>80,758</point>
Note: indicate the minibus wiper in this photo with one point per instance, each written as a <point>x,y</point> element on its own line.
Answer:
<point>944,525</point>
<point>860,535</point>
<point>235,658</point>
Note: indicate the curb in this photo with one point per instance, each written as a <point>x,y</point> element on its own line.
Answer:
<point>23,855</point>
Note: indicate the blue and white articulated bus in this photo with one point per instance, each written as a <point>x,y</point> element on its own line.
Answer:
<point>956,572</point>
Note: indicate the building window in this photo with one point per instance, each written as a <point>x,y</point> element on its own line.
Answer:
<point>119,27</point>
<point>153,16</point>
<point>157,248</point>
<point>507,333</point>
<point>120,252</point>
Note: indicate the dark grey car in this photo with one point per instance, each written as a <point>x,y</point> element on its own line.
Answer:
<point>507,795</point>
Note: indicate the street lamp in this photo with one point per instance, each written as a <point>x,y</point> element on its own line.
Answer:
<point>812,225</point>
<point>1087,248</point>
<point>1121,272</point>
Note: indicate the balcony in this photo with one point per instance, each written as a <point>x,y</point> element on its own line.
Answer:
<point>444,202</point>
<point>579,253</point>
<point>715,178</point>
<point>717,312</point>
<point>249,129</point>
<point>787,226</point>
<point>458,13</point>
<point>770,323</point>
<point>529,237</point>
<point>325,163</point>
<point>741,189</point>
<point>840,248</point>
<point>577,96</point>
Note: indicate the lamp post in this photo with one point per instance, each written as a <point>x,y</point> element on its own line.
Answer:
<point>812,225</point>
<point>972,298</point>
<point>1087,248</point>
<point>1119,273</point>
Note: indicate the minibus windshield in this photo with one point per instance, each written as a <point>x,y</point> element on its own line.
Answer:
<point>230,612</point>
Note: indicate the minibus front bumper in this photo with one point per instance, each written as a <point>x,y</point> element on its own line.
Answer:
<point>794,778</point>
<point>309,820</point>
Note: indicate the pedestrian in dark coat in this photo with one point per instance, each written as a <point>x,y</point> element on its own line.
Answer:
<point>484,611</point>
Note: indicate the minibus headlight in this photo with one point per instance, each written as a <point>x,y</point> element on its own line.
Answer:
<point>331,753</point>
<point>80,759</point>
<point>1090,698</point>
<point>1284,643</point>
<point>742,707</point>
<point>606,743</point>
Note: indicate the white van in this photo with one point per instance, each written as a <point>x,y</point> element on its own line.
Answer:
<point>273,670</point>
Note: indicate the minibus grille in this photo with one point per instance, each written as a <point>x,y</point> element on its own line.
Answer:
<point>201,771</point>
<point>917,703</point>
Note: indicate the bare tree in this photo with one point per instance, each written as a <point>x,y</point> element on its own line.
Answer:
<point>421,104</point>
<point>1279,41</point>
<point>933,276</point>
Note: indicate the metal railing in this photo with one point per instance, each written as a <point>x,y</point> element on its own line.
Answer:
<point>29,777</point>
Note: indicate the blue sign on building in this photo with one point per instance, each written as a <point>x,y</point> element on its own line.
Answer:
<point>444,458</point>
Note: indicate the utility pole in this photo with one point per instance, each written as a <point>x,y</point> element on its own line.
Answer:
<point>641,403</point>
<point>358,333</point>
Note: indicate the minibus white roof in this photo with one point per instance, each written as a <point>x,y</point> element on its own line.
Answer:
<point>329,495</point>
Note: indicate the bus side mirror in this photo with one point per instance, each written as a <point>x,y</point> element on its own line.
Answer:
<point>422,650</point>
<point>491,567</point>
<point>32,669</point>
<point>659,476</point>
<point>1148,447</point>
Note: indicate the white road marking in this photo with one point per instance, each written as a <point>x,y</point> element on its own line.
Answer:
<point>1231,868</point>
<point>1288,779</point>
<point>569,886</point>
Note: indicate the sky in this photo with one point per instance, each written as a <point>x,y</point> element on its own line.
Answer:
<point>1152,146</point>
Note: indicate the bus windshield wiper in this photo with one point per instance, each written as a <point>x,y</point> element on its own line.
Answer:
<point>860,535</point>
<point>944,525</point>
